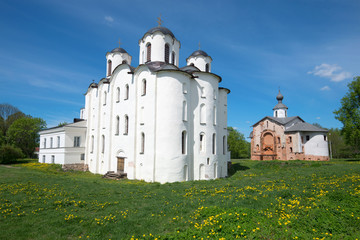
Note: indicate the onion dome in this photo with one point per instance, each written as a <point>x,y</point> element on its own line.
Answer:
<point>198,53</point>
<point>163,30</point>
<point>279,97</point>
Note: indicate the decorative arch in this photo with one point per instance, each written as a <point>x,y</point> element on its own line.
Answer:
<point>268,143</point>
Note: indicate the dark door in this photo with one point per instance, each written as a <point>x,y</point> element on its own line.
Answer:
<point>120,164</point>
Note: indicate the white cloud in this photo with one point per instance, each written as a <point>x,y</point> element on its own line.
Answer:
<point>334,72</point>
<point>325,88</point>
<point>109,19</point>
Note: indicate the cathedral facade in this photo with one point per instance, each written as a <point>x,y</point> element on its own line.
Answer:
<point>287,138</point>
<point>157,122</point>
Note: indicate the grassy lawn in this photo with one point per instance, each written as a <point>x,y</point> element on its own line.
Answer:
<point>260,200</point>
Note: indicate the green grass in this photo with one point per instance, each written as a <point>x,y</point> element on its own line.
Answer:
<point>260,200</point>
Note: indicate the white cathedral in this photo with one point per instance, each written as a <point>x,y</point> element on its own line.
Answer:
<point>156,122</point>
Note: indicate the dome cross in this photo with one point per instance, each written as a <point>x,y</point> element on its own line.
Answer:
<point>159,21</point>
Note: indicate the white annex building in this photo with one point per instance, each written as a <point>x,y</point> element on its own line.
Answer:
<point>156,122</point>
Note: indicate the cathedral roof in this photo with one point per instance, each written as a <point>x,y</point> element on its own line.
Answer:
<point>163,30</point>
<point>281,121</point>
<point>199,52</point>
<point>305,127</point>
<point>119,49</point>
<point>280,105</point>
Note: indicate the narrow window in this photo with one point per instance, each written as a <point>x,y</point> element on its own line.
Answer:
<point>214,115</point>
<point>208,161</point>
<point>126,125</point>
<point>109,68</point>
<point>184,111</point>
<point>213,143</point>
<point>290,139</point>
<point>51,142</point>
<point>103,144</point>
<point>118,94</point>
<point>173,58</point>
<point>167,51</point>
<point>324,137</point>
<point>82,156</point>
<point>126,92</point>
<point>276,115</point>
<point>58,141</point>
<point>224,145</point>
<point>52,159</point>
<point>76,141</point>
<point>44,142</point>
<point>202,114</point>
<point>202,142</point>
<point>183,142</point>
<point>43,159</point>
<point>117,125</point>
<point>207,67</point>
<point>291,149</point>
<point>148,52</point>
<point>142,147</point>
<point>92,144</point>
<point>307,137</point>
<point>143,87</point>
<point>105,94</point>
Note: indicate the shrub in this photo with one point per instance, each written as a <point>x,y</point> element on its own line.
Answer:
<point>9,154</point>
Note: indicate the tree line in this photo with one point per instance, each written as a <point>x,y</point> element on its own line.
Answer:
<point>18,133</point>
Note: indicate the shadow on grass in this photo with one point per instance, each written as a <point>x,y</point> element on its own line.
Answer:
<point>236,167</point>
<point>353,160</point>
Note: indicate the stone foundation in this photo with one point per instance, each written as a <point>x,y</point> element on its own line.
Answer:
<point>75,167</point>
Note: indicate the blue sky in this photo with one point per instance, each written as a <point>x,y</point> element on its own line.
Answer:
<point>50,51</point>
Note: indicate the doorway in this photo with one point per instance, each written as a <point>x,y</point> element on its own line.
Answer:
<point>120,164</point>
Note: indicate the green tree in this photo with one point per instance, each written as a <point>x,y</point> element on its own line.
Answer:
<point>62,124</point>
<point>338,146</point>
<point>23,133</point>
<point>8,114</point>
<point>349,115</point>
<point>238,146</point>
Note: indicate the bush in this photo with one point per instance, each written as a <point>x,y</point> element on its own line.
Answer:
<point>9,154</point>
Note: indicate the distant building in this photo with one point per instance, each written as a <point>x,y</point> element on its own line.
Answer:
<point>287,138</point>
<point>156,122</point>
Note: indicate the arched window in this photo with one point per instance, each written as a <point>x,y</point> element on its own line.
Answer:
<point>109,67</point>
<point>183,142</point>
<point>104,100</point>
<point>291,149</point>
<point>202,142</point>
<point>142,147</point>
<point>290,139</point>
<point>92,144</point>
<point>103,144</point>
<point>184,111</point>
<point>202,114</point>
<point>173,58</point>
<point>143,87</point>
<point>167,53</point>
<point>213,143</point>
<point>224,145</point>
<point>214,115</point>
<point>117,125</point>
<point>126,92</point>
<point>276,115</point>
<point>148,52</point>
<point>126,125</point>
<point>118,94</point>
<point>207,68</point>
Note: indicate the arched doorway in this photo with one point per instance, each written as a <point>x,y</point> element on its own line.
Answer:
<point>268,144</point>
<point>120,161</point>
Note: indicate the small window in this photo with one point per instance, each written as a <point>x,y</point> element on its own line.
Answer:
<point>307,137</point>
<point>183,142</point>
<point>124,62</point>
<point>291,150</point>
<point>52,159</point>
<point>208,161</point>
<point>117,127</point>
<point>173,58</point>
<point>44,142</point>
<point>51,142</point>
<point>143,87</point>
<point>103,144</point>
<point>324,137</point>
<point>290,139</point>
<point>202,142</point>
<point>207,68</point>
<point>213,143</point>
<point>126,92</point>
<point>76,141</point>
<point>109,68</point>
<point>118,94</point>
<point>58,141</point>
<point>167,52</point>
<point>82,156</point>
<point>148,52</point>
<point>142,147</point>
<point>126,125</point>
